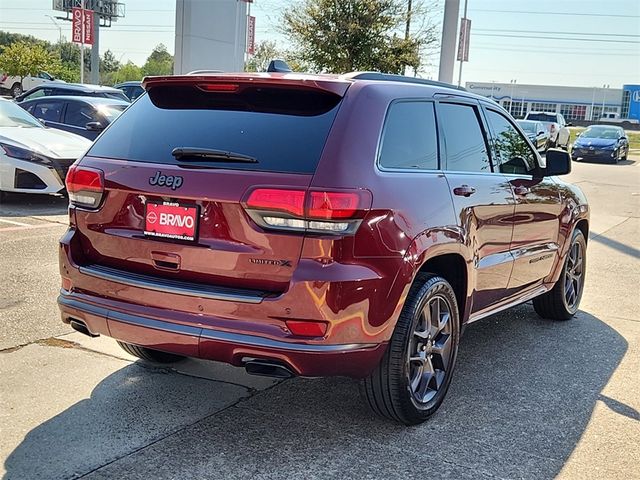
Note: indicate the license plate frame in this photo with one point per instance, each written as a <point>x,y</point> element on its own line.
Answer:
<point>172,228</point>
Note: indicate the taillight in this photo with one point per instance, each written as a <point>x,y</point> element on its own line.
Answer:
<point>315,211</point>
<point>85,186</point>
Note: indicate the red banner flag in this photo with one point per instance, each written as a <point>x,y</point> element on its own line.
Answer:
<point>88,27</point>
<point>251,35</point>
<point>76,25</point>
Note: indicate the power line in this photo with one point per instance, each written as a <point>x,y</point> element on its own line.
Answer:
<point>555,38</point>
<point>558,33</point>
<point>554,13</point>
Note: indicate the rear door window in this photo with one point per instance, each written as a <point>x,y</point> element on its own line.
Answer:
<point>285,129</point>
<point>49,111</point>
<point>464,139</point>
<point>409,139</point>
<point>79,114</point>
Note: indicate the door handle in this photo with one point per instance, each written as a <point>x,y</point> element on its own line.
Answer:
<point>464,191</point>
<point>521,190</point>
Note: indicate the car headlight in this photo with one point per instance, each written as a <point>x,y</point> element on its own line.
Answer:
<point>23,154</point>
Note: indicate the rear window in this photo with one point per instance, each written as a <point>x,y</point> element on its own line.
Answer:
<point>284,129</point>
<point>542,117</point>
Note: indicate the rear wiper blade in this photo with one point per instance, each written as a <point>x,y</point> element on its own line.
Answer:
<point>192,153</point>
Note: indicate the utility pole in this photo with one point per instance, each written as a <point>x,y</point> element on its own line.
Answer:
<point>448,44</point>
<point>407,30</point>
<point>59,28</point>
<point>82,45</point>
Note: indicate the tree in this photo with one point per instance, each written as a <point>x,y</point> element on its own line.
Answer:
<point>265,52</point>
<point>160,62</point>
<point>21,59</point>
<point>348,35</point>
<point>128,71</point>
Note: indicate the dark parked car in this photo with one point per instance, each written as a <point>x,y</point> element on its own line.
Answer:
<point>131,89</point>
<point>536,132</point>
<point>75,89</point>
<point>86,116</point>
<point>317,225</point>
<point>601,142</point>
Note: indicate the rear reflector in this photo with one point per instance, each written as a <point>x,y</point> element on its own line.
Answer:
<point>85,186</point>
<point>304,328</point>
<point>66,284</point>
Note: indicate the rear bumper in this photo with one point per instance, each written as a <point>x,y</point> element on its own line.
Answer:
<point>194,340</point>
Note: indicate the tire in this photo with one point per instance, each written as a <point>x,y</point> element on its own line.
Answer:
<point>16,89</point>
<point>149,354</point>
<point>401,388</point>
<point>557,303</point>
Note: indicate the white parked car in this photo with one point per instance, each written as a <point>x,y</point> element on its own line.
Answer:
<point>12,85</point>
<point>33,158</point>
<point>556,125</point>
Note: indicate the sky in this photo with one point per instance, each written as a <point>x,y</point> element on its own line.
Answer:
<point>587,43</point>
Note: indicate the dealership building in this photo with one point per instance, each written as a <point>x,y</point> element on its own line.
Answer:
<point>574,103</point>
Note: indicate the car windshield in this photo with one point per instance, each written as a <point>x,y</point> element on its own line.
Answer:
<point>601,132</point>
<point>528,127</point>
<point>11,115</point>
<point>111,112</point>
<point>542,117</point>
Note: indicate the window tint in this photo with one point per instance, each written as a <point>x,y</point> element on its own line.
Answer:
<point>511,151</point>
<point>49,111</point>
<point>466,147</point>
<point>410,137</point>
<point>79,114</point>
<point>284,129</point>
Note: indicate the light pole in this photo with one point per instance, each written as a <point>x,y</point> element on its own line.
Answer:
<point>604,93</point>
<point>513,83</point>
<point>58,26</point>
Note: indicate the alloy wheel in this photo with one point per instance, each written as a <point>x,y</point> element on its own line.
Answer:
<point>574,276</point>
<point>430,351</point>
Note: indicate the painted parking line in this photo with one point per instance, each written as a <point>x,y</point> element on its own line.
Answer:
<point>30,227</point>
<point>13,222</point>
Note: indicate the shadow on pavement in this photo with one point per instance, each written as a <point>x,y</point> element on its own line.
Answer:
<point>616,245</point>
<point>522,396</point>
<point>25,204</point>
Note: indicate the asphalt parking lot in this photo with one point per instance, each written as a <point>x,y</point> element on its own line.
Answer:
<point>530,398</point>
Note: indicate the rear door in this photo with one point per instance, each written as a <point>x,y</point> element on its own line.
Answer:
<point>483,199</point>
<point>536,221</point>
<point>50,112</point>
<point>284,128</point>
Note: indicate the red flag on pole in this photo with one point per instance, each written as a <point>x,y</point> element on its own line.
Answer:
<point>251,35</point>
<point>76,25</point>
<point>88,27</point>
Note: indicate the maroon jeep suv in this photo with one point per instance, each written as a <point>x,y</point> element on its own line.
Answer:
<point>317,225</point>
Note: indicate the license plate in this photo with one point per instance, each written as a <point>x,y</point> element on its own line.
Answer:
<point>171,220</point>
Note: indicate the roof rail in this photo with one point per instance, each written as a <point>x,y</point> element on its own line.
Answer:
<point>390,77</point>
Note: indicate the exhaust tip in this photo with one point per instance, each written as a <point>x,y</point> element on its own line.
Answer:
<point>80,326</point>
<point>266,368</point>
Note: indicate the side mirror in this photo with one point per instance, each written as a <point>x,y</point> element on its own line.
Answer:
<point>558,162</point>
<point>542,132</point>
<point>569,124</point>
<point>94,126</point>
